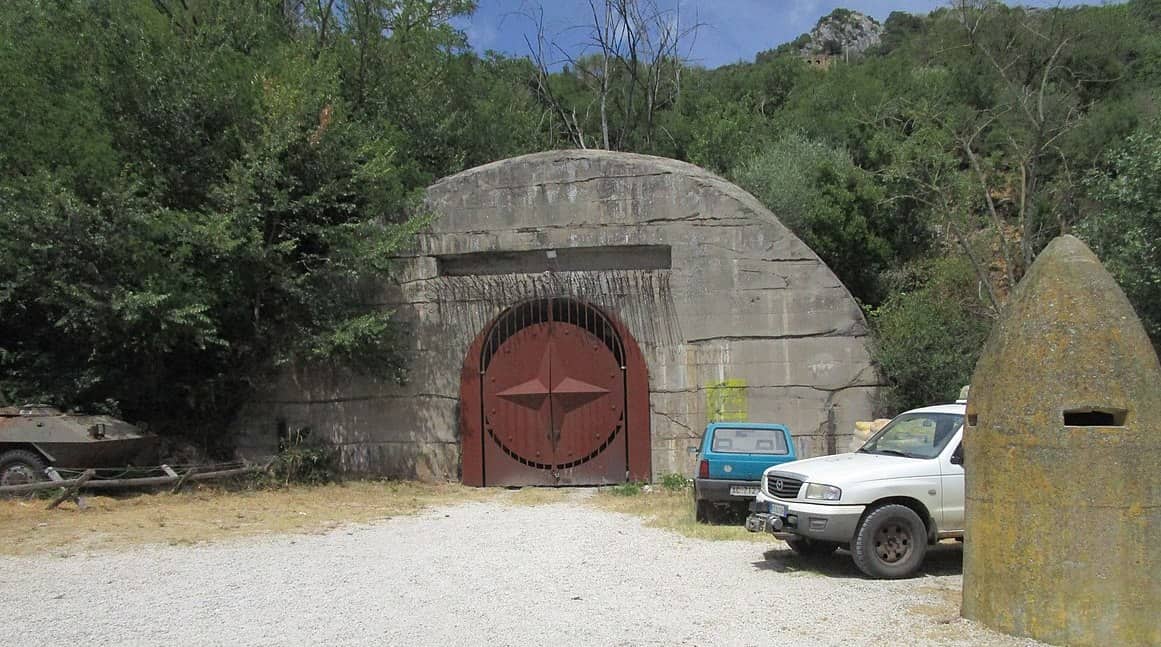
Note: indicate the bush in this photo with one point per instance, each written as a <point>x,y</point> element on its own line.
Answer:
<point>302,460</point>
<point>674,482</point>
<point>927,340</point>
<point>627,489</point>
<point>818,193</point>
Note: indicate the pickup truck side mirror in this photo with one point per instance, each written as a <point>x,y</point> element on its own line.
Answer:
<point>693,449</point>
<point>957,455</point>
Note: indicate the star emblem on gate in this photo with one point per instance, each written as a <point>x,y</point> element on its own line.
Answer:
<point>565,394</point>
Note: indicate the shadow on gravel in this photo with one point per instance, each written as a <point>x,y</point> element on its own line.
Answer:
<point>729,516</point>
<point>942,559</point>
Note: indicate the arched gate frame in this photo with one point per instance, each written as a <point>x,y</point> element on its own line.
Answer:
<point>554,392</point>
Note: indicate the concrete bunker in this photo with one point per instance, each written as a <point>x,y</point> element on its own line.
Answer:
<point>1063,494</point>
<point>723,315</point>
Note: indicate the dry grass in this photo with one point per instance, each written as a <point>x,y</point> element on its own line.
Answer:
<point>673,511</point>
<point>212,514</point>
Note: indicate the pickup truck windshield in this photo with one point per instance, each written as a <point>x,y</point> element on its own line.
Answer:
<point>915,435</point>
<point>748,441</point>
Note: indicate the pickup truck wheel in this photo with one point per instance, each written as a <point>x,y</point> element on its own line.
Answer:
<point>890,542</point>
<point>811,547</point>
<point>18,467</point>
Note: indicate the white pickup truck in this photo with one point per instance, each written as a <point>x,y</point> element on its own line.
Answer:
<point>886,502</point>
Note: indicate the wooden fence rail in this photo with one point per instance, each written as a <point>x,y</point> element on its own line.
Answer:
<point>87,482</point>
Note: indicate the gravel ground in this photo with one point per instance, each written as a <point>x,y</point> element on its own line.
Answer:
<point>478,574</point>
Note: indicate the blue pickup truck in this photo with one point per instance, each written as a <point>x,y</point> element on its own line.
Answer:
<point>730,462</point>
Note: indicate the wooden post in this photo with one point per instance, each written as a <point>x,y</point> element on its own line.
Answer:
<point>181,481</point>
<point>70,492</point>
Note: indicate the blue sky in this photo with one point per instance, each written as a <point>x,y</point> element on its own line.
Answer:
<point>734,30</point>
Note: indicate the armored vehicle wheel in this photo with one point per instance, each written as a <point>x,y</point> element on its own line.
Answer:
<point>19,466</point>
<point>890,542</point>
<point>811,547</point>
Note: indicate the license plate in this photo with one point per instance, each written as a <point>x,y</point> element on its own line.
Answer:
<point>778,509</point>
<point>743,490</point>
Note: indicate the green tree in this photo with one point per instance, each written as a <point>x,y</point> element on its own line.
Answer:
<point>244,218</point>
<point>900,29</point>
<point>50,115</point>
<point>833,205</point>
<point>1125,231</point>
<point>928,334</point>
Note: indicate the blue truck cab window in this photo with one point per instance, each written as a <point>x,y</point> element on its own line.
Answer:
<point>728,440</point>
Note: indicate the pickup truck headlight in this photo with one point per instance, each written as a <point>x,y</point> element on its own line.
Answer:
<point>823,492</point>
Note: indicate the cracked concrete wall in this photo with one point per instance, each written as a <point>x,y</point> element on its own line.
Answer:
<point>752,307</point>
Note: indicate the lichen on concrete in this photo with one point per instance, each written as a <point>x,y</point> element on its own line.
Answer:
<point>1064,520</point>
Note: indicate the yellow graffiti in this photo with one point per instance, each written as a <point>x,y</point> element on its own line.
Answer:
<point>726,401</point>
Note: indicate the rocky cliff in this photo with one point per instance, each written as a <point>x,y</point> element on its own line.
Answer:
<point>843,32</point>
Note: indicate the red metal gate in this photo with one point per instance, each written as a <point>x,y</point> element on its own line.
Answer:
<point>553,395</point>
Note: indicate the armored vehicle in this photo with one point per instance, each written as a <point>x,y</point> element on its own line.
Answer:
<point>33,437</point>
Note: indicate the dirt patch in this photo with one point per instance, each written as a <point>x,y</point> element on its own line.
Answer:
<point>944,605</point>
<point>672,511</point>
<point>210,514</point>
<point>942,608</point>
<point>539,496</point>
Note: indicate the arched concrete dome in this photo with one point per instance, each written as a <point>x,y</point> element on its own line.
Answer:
<point>735,318</point>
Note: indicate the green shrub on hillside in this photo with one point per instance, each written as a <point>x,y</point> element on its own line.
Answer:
<point>927,339</point>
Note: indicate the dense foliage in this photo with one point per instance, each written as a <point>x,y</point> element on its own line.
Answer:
<point>194,192</point>
<point>1126,234</point>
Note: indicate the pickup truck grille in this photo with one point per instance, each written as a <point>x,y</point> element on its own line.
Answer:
<point>783,487</point>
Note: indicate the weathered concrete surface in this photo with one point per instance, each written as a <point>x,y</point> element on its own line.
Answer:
<point>747,316</point>
<point>1063,521</point>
